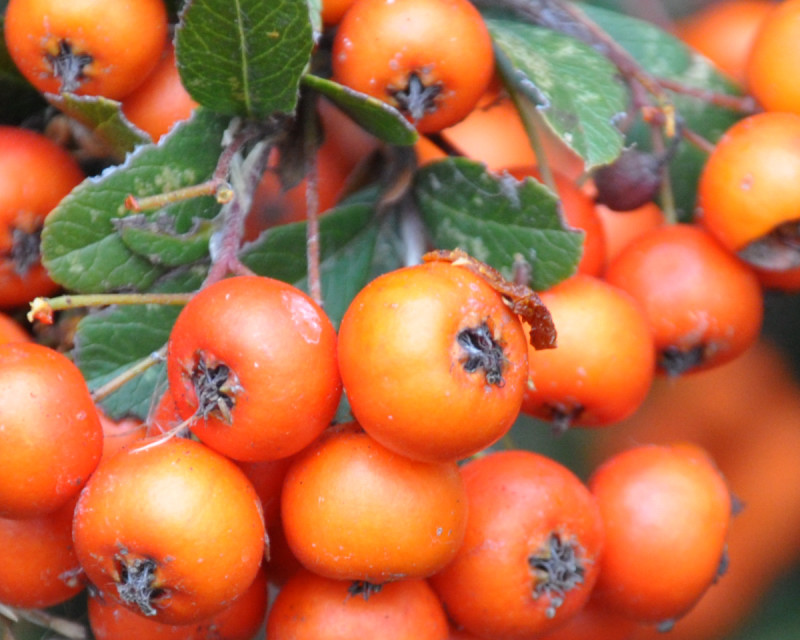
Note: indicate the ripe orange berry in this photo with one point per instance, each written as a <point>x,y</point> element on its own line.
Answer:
<point>161,100</point>
<point>431,59</point>
<point>385,516</point>
<point>749,191</point>
<point>666,511</point>
<point>604,363</point>
<point>433,361</point>
<point>772,65</point>
<point>703,304</point>
<point>724,32</point>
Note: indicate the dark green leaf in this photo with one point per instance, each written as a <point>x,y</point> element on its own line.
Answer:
<point>380,119</point>
<point>81,247</point>
<point>392,249</point>
<point>497,220</point>
<point>244,57</point>
<point>103,117</point>
<point>576,90</point>
<point>664,56</point>
<point>109,342</point>
<point>347,243</point>
<point>155,238</point>
<point>660,53</point>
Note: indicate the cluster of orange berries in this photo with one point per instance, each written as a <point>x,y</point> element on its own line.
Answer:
<point>379,520</point>
<point>401,518</point>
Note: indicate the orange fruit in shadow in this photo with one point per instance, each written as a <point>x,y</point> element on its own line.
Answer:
<point>620,228</point>
<point>344,146</point>
<point>161,100</point>
<point>493,133</point>
<point>772,64</point>
<point>744,413</point>
<point>724,33</point>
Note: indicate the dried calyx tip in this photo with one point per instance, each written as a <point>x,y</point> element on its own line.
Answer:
<point>363,588</point>
<point>214,390</point>
<point>556,570</point>
<point>482,351</point>
<point>135,585</point>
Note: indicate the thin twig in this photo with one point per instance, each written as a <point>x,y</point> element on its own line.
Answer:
<point>5,628</point>
<point>9,613</point>
<point>310,141</point>
<point>697,140</point>
<point>568,19</point>
<point>67,628</point>
<point>129,374</point>
<point>220,189</point>
<point>42,309</point>
<point>245,176</point>
<point>652,11</point>
<point>667,196</point>
<point>744,104</point>
<point>171,433</point>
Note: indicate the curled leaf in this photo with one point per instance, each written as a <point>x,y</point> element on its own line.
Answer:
<point>522,300</point>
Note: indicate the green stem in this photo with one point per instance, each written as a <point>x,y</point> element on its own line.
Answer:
<point>667,196</point>
<point>42,308</point>
<point>129,374</point>
<point>218,188</point>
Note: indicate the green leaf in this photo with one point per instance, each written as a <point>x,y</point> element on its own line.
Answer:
<point>155,238</point>
<point>664,56</point>
<point>658,52</point>
<point>577,91</point>
<point>81,246</point>
<point>104,117</point>
<point>244,57</point>
<point>105,348</point>
<point>380,119</point>
<point>391,245</point>
<point>347,242</point>
<point>497,220</point>
<point>110,341</point>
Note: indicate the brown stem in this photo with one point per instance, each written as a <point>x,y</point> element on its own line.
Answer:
<point>245,176</point>
<point>697,140</point>
<point>570,20</point>
<point>651,11</point>
<point>744,104</point>
<point>216,186</point>
<point>310,139</point>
